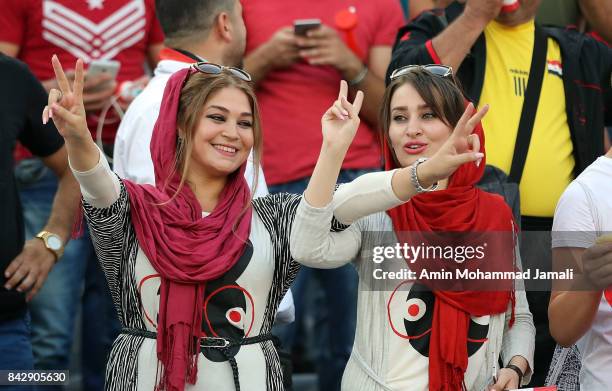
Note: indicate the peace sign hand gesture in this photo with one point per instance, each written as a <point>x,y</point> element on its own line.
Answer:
<point>65,106</point>
<point>461,147</point>
<point>340,122</point>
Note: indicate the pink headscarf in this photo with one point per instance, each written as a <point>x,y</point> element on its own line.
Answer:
<point>184,248</point>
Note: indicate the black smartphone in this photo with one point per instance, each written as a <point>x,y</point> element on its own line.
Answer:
<point>302,26</point>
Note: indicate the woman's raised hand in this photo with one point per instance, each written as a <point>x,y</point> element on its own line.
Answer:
<point>65,106</point>
<point>461,147</point>
<point>340,122</point>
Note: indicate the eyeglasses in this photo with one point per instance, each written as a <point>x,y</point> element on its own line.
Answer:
<point>438,70</point>
<point>214,69</point>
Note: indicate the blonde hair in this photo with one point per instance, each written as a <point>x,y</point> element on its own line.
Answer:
<point>194,95</point>
<point>198,88</point>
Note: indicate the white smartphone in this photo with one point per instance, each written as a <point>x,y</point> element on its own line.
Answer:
<point>109,67</point>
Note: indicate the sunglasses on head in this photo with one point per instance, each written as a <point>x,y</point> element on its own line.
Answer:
<point>438,70</point>
<point>214,69</point>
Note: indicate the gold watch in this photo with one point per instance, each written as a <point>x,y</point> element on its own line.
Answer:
<point>53,243</point>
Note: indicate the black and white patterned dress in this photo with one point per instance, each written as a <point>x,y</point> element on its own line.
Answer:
<point>242,303</point>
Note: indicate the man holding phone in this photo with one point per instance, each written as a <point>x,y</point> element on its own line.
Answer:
<point>297,53</point>
<point>33,30</point>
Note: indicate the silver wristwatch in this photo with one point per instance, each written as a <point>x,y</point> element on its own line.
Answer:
<point>415,179</point>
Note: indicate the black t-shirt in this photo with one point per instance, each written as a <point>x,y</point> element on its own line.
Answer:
<point>22,99</point>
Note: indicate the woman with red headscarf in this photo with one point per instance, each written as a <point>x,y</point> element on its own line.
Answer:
<point>414,331</point>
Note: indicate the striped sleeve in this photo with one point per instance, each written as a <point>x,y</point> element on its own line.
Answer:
<point>277,212</point>
<point>116,246</point>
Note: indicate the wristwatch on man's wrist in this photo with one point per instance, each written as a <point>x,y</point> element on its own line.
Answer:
<point>53,243</point>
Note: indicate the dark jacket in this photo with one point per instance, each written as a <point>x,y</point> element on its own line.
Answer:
<point>587,66</point>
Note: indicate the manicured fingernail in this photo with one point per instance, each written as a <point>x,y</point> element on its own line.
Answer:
<point>50,113</point>
<point>18,289</point>
<point>479,155</point>
<point>478,162</point>
<point>346,113</point>
<point>7,287</point>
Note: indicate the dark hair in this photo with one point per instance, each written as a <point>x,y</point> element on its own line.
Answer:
<point>188,19</point>
<point>443,95</point>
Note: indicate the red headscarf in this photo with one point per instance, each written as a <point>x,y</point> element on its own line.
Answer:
<point>461,207</point>
<point>184,248</point>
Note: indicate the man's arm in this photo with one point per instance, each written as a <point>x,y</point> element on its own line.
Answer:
<point>577,300</point>
<point>29,270</point>
<point>373,85</point>
<point>455,42</point>
<point>428,40</point>
<point>416,7</point>
<point>323,46</point>
<point>67,198</point>
<point>599,15</point>
<point>280,51</point>
<point>573,235</point>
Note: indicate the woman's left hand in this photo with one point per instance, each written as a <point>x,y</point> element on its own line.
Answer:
<point>507,379</point>
<point>340,122</point>
<point>461,147</point>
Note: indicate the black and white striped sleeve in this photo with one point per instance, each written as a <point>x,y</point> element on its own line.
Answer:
<point>112,234</point>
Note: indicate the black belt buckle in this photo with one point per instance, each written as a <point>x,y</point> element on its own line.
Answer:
<point>225,344</point>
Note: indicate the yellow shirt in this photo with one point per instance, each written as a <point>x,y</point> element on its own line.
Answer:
<point>550,162</point>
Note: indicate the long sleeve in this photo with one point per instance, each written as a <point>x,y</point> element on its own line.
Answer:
<point>368,194</point>
<point>106,208</point>
<point>519,340</point>
<point>312,241</point>
<point>100,186</point>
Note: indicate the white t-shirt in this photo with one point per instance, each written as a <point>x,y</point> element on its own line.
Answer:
<point>583,213</point>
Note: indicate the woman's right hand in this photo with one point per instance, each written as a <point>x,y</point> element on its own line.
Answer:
<point>340,122</point>
<point>65,105</point>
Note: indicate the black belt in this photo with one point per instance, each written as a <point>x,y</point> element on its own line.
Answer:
<point>221,344</point>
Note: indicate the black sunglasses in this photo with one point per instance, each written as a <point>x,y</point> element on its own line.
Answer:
<point>214,69</point>
<point>438,70</point>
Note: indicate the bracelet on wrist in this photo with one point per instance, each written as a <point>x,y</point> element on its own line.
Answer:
<point>415,179</point>
<point>518,371</point>
<point>359,78</point>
